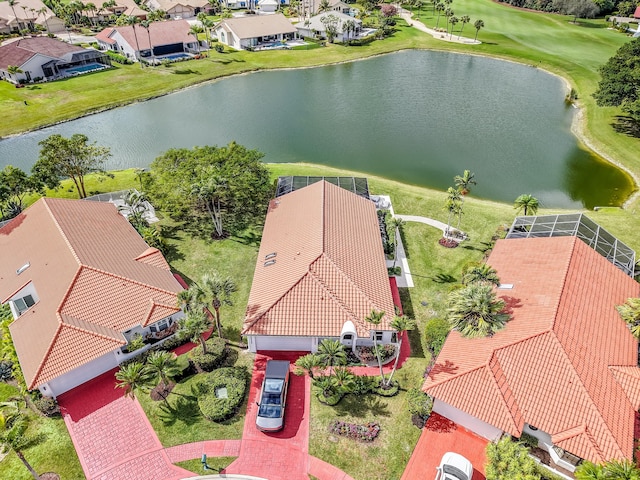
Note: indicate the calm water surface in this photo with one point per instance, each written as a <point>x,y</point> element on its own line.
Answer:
<point>418,117</point>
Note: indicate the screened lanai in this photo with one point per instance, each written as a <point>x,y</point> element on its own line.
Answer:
<point>357,185</point>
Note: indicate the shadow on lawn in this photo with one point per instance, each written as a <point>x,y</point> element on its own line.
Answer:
<point>361,406</point>
<point>183,409</point>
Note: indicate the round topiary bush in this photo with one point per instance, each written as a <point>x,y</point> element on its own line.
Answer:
<point>221,392</point>
<point>206,362</point>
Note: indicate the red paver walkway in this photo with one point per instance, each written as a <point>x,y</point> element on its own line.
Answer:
<point>112,435</point>
<point>441,435</point>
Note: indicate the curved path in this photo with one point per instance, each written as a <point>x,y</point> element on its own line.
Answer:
<point>429,221</point>
<point>408,17</point>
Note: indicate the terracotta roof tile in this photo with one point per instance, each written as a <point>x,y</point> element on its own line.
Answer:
<point>18,52</point>
<point>95,278</point>
<point>329,266</point>
<point>552,361</point>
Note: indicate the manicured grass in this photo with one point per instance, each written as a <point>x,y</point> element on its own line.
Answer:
<point>182,421</point>
<point>215,464</point>
<point>387,456</point>
<point>548,41</point>
<point>55,453</point>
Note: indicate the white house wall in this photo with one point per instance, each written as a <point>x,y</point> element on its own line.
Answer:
<point>267,342</point>
<point>123,46</point>
<point>467,421</point>
<point>80,375</point>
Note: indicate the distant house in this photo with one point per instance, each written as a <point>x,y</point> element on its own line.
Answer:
<point>81,284</point>
<point>121,7</point>
<point>340,6</point>
<point>162,38</point>
<point>254,30</point>
<point>179,9</point>
<point>44,58</point>
<point>565,367</point>
<point>321,270</point>
<point>313,27</point>
<point>268,6</point>
<point>17,18</point>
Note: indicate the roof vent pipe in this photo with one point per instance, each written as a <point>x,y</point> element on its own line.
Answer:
<point>23,268</point>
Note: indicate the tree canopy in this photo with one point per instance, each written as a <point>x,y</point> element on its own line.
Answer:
<point>72,158</point>
<point>620,82</point>
<point>223,188</point>
<point>14,186</point>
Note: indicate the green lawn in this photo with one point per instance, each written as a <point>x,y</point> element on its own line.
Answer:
<point>215,464</point>
<point>181,422</point>
<point>543,40</point>
<point>54,453</point>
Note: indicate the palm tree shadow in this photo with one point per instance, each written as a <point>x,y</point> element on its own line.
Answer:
<point>627,126</point>
<point>444,278</point>
<point>361,406</point>
<point>185,410</point>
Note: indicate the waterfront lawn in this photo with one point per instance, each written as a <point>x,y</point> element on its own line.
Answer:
<point>182,422</point>
<point>387,456</point>
<point>55,453</point>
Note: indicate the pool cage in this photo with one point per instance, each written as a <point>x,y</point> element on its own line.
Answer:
<point>357,185</point>
<point>581,226</point>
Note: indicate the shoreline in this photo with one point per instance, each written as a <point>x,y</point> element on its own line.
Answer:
<point>578,126</point>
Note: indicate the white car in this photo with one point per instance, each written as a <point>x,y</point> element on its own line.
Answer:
<point>454,467</point>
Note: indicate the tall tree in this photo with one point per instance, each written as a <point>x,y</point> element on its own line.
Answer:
<point>15,185</point>
<point>401,325</point>
<point>219,290</point>
<point>14,436</point>
<point>132,20</point>
<point>453,20</point>
<point>482,273</point>
<point>507,460</point>
<point>331,353</point>
<point>464,182</point>
<point>478,24</point>
<point>396,223</point>
<point>475,311</point>
<point>43,11</point>
<point>146,24</point>
<point>439,8</point>
<point>463,20</point>
<point>193,326</point>
<point>452,203</point>
<point>12,4</point>
<point>163,366</point>
<point>330,23</point>
<point>133,377</point>
<point>192,299</point>
<point>620,82</point>
<point>526,203</point>
<point>73,158</point>
<point>14,70</point>
<point>374,318</point>
<point>195,30</point>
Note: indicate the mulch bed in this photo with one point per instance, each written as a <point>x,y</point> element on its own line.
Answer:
<point>447,243</point>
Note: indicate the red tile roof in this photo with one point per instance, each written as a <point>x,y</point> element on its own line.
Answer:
<point>329,266</point>
<point>95,278</point>
<point>636,14</point>
<point>17,53</point>
<point>161,33</point>
<point>566,363</point>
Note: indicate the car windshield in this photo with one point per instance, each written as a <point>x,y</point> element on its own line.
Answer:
<point>453,473</point>
<point>273,385</point>
<point>268,410</point>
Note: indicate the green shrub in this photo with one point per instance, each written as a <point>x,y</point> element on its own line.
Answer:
<point>136,343</point>
<point>363,384</point>
<point>435,333</point>
<point>218,409</point>
<point>419,403</point>
<point>116,57</point>
<point>390,391</point>
<point>529,440</point>
<point>218,47</point>
<point>47,406</point>
<point>6,370</point>
<point>206,362</point>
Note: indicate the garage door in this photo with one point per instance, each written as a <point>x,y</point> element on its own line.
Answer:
<point>301,344</point>
<point>83,374</point>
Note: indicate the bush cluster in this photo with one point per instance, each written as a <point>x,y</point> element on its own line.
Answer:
<point>47,406</point>
<point>368,354</point>
<point>206,362</point>
<point>116,57</point>
<point>218,409</point>
<point>6,370</point>
<point>363,433</point>
<point>435,333</point>
<point>419,403</point>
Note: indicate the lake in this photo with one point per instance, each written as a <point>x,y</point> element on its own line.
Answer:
<point>419,117</point>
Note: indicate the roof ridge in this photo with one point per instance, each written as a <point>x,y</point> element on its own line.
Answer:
<point>155,304</point>
<point>334,297</point>
<point>436,383</point>
<point>45,357</point>
<point>505,392</point>
<point>84,330</point>
<point>69,290</point>
<point>564,286</point>
<point>45,201</point>
<point>130,280</point>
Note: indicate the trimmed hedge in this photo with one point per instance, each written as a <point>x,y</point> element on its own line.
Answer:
<point>435,333</point>
<point>217,409</point>
<point>216,351</point>
<point>419,403</point>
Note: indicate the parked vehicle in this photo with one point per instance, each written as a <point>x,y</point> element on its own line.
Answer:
<point>273,396</point>
<point>454,466</point>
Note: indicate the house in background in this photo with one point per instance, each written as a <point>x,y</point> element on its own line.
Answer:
<point>313,27</point>
<point>179,9</point>
<point>81,283</point>
<point>35,13</point>
<point>321,270</point>
<point>164,38</point>
<point>268,6</point>
<point>44,58</point>
<point>565,367</point>
<point>254,30</point>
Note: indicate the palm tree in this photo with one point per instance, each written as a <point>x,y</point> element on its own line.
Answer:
<point>452,20</point>
<point>132,20</point>
<point>146,24</point>
<point>349,26</point>
<point>396,223</point>
<point>13,436</point>
<point>452,204</point>
<point>331,353</point>
<point>343,380</point>
<point>219,290</point>
<point>439,8</point>
<point>474,311</point>
<point>324,6</point>
<point>12,4</point>
<point>192,299</point>
<point>135,206</point>
<point>195,30</point>
<point>448,13</point>
<point>206,25</point>
<point>526,203</point>
<point>621,470</point>
<point>478,25</point>
<point>400,325</point>
<point>463,182</point>
<point>480,273</point>
<point>193,326</point>
<point>43,11</point>
<point>630,313</point>
<point>589,471</point>
<point>14,70</point>
<point>464,20</point>
<point>309,363</point>
<point>133,377</point>
<point>91,7</point>
<point>164,368</point>
<point>374,318</point>
<point>214,6</point>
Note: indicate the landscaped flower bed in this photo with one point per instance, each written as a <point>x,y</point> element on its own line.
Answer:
<point>368,354</point>
<point>362,433</point>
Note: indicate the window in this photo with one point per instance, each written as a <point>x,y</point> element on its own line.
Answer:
<point>23,304</point>
<point>379,336</point>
